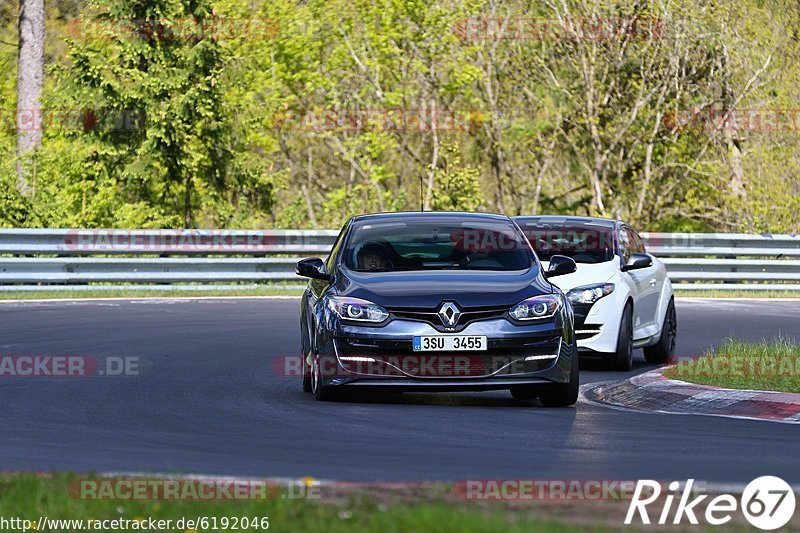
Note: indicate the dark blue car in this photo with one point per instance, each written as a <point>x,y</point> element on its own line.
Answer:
<point>437,302</point>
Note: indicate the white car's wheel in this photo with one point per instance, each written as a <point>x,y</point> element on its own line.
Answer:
<point>663,351</point>
<point>622,359</point>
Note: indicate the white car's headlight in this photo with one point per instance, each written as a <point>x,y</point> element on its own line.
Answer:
<point>589,294</point>
<point>357,309</point>
<point>543,306</point>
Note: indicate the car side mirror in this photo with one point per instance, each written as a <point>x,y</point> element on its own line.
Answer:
<point>560,265</point>
<point>638,261</point>
<point>313,268</point>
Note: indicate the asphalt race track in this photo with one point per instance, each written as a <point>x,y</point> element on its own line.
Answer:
<point>209,402</point>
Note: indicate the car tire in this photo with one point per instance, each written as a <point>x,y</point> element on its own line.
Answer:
<point>564,394</point>
<point>322,392</point>
<point>663,351</point>
<point>622,359</point>
<point>306,373</point>
<point>305,350</point>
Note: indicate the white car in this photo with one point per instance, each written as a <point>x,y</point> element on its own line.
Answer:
<point>621,295</point>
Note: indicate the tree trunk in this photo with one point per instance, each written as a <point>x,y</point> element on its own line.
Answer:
<point>596,181</point>
<point>30,73</point>
<point>537,191</point>
<point>730,131</point>
<point>434,123</point>
<point>306,188</point>
<point>187,203</point>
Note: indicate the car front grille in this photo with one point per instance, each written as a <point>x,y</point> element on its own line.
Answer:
<point>584,331</point>
<point>430,315</point>
<point>397,358</point>
<point>580,312</point>
<point>587,331</point>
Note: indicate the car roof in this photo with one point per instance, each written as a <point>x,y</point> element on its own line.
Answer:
<point>421,215</point>
<point>559,220</point>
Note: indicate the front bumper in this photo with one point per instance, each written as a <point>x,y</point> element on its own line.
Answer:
<point>449,385</point>
<point>529,354</point>
<point>597,325</point>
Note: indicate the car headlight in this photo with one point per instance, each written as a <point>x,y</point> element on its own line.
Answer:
<point>537,307</point>
<point>357,309</point>
<point>589,294</point>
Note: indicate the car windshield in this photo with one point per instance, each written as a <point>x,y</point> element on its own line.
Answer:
<point>583,242</point>
<point>402,245</point>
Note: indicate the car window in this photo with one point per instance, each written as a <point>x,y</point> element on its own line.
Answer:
<point>436,244</point>
<point>337,245</point>
<point>638,243</point>
<point>584,243</point>
<point>625,244</point>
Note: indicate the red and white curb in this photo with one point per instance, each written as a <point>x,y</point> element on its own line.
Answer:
<point>652,392</point>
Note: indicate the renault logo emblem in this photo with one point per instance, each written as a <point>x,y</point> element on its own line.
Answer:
<point>449,313</point>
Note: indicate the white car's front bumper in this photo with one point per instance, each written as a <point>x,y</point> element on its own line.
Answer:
<point>605,313</point>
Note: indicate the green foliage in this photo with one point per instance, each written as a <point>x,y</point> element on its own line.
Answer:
<point>457,187</point>
<point>362,508</point>
<point>768,364</point>
<point>338,107</point>
<point>162,137</point>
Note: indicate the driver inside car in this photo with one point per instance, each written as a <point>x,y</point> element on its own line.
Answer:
<point>372,256</point>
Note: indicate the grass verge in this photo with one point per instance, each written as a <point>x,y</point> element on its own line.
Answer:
<point>734,294</point>
<point>772,365</point>
<point>29,497</point>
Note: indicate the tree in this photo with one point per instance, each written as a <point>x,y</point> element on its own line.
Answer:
<point>350,106</point>
<point>30,76</point>
<point>152,86</point>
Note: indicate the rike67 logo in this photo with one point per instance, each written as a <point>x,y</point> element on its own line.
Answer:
<point>767,502</point>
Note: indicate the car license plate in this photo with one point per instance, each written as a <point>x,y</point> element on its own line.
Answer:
<point>449,343</point>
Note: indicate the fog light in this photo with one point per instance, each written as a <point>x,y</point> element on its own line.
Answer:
<point>541,357</point>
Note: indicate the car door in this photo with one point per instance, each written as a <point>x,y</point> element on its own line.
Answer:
<point>316,288</point>
<point>658,276</point>
<point>643,286</point>
<point>647,286</point>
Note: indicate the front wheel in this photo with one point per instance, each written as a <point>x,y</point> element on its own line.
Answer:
<point>622,359</point>
<point>322,392</point>
<point>663,351</point>
<point>564,394</point>
<point>306,373</point>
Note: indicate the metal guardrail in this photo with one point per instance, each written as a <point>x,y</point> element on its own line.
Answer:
<point>164,242</point>
<point>49,259</point>
<point>722,244</point>
<point>728,261</point>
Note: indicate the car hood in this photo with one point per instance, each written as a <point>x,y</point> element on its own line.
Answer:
<point>427,289</point>
<point>586,274</point>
